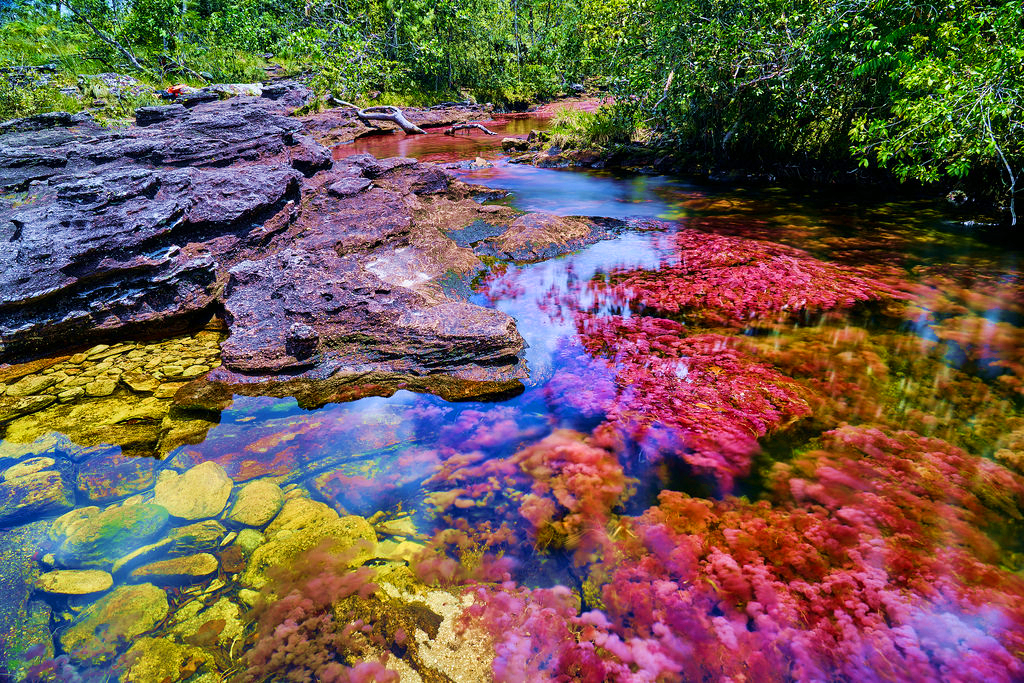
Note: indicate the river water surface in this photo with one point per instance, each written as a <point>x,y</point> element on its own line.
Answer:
<point>766,435</point>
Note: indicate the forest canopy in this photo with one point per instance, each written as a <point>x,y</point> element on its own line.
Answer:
<point>930,92</point>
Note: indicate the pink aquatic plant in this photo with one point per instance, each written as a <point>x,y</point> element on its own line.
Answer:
<point>302,632</point>
<point>730,280</point>
<point>697,399</point>
<point>871,564</point>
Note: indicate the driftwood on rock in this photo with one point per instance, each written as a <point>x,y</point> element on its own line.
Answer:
<point>385,113</point>
<point>462,126</point>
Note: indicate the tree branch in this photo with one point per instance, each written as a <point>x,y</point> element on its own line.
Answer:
<point>464,126</point>
<point>107,39</point>
<point>387,113</point>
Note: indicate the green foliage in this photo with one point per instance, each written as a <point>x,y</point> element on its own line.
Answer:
<point>576,128</point>
<point>25,99</point>
<point>931,92</point>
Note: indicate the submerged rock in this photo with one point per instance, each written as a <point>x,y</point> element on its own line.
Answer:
<point>156,660</point>
<point>20,617</point>
<point>75,581</point>
<point>114,619</point>
<point>258,503</point>
<point>205,535</point>
<point>220,623</point>
<point>301,525</point>
<point>201,492</point>
<point>178,569</point>
<point>102,538</point>
<point>31,490</point>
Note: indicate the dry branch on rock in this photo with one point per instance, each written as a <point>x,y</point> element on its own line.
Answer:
<point>466,126</point>
<point>385,113</point>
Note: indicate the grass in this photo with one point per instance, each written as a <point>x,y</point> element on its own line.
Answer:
<point>573,128</point>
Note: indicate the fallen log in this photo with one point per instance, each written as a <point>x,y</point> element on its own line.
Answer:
<point>462,126</point>
<point>385,113</point>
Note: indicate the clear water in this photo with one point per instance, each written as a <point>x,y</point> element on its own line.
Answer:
<point>942,358</point>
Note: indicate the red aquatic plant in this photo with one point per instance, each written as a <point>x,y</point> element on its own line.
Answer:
<point>302,633</point>
<point>871,564</point>
<point>696,399</point>
<point>560,492</point>
<point>731,280</point>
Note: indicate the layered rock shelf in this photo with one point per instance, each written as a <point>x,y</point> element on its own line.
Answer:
<point>330,277</point>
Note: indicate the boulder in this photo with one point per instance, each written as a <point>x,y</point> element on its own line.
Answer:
<point>308,156</point>
<point>200,492</point>
<point>258,502</point>
<point>116,618</point>
<point>514,145</point>
<point>100,539</point>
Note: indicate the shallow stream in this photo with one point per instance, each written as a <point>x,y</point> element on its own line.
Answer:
<point>766,434</point>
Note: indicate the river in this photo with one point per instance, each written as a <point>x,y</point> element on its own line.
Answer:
<point>767,434</point>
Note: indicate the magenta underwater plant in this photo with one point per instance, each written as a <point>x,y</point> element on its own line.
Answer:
<point>302,634</point>
<point>734,280</point>
<point>698,399</point>
<point>869,565</point>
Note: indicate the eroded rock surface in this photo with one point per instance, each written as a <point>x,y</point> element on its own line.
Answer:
<point>324,270</point>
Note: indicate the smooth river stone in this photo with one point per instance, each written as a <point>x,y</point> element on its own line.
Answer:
<point>75,581</point>
<point>101,539</point>
<point>258,503</point>
<point>187,540</point>
<point>201,492</point>
<point>301,525</point>
<point>28,493</point>
<point>115,618</point>
<point>179,569</point>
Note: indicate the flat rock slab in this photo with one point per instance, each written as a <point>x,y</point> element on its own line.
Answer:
<point>75,581</point>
